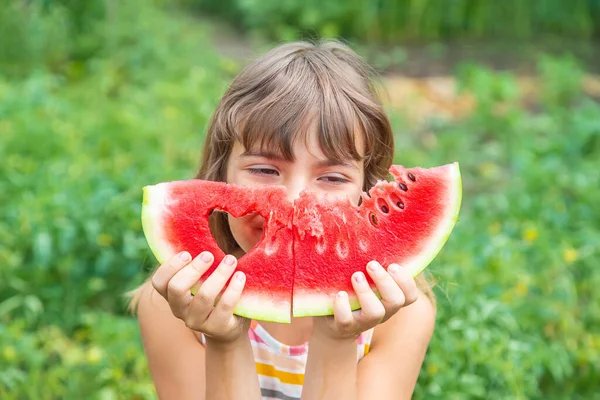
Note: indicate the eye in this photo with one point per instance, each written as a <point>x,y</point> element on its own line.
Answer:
<point>264,171</point>
<point>334,179</point>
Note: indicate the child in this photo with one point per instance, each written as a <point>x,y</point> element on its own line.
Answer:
<point>304,116</point>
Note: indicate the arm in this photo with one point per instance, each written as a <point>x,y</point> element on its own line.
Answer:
<point>391,368</point>
<point>389,371</point>
<point>330,369</point>
<point>399,344</point>
<point>232,372</point>
<point>177,359</point>
<point>170,321</point>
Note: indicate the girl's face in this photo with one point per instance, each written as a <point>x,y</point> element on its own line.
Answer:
<point>310,170</point>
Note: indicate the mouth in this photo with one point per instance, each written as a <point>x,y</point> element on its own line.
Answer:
<point>257,223</point>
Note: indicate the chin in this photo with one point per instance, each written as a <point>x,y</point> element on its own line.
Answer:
<point>249,240</point>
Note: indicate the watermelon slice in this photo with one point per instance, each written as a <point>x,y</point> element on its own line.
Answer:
<point>406,221</point>
<point>175,218</point>
<point>310,248</point>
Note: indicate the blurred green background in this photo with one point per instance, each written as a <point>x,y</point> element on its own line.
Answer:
<point>101,97</point>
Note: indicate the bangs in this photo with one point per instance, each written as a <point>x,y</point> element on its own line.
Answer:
<point>287,104</point>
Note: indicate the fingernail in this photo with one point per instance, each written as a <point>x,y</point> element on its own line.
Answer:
<point>360,277</point>
<point>206,257</point>
<point>184,256</point>
<point>392,269</point>
<point>229,260</point>
<point>341,295</point>
<point>372,266</point>
<point>239,276</point>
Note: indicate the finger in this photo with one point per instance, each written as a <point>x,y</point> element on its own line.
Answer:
<point>214,284</point>
<point>223,311</point>
<point>164,273</point>
<point>406,282</point>
<point>392,296</point>
<point>178,288</point>
<point>342,312</point>
<point>371,307</point>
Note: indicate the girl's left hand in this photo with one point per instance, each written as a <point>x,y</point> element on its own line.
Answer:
<point>396,287</point>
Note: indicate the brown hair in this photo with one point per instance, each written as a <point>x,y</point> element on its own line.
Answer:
<point>274,99</point>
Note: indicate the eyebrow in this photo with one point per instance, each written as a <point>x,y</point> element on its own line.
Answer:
<point>276,156</point>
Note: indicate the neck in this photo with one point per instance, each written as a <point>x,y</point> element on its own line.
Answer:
<point>293,334</point>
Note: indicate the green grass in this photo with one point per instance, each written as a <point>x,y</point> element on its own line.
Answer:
<point>519,309</point>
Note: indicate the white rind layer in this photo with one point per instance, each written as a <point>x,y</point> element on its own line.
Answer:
<point>153,211</point>
<point>307,304</point>
<point>436,241</point>
<point>261,307</point>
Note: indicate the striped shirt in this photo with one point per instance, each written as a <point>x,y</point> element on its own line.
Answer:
<point>281,367</point>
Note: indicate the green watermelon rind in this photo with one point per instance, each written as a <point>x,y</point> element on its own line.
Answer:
<point>249,306</point>
<point>314,305</point>
<point>252,306</point>
<point>440,237</point>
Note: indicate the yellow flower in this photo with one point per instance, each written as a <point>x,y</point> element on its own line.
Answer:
<point>171,112</point>
<point>73,356</point>
<point>570,255</point>
<point>432,369</point>
<point>530,234</point>
<point>521,289</point>
<point>117,374</point>
<point>9,353</point>
<point>104,240</point>
<point>94,355</point>
<point>6,127</point>
<point>488,169</point>
<point>229,66</point>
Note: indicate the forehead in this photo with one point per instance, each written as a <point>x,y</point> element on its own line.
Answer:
<point>304,151</point>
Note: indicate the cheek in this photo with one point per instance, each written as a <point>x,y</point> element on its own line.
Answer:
<point>356,200</point>
<point>355,195</point>
<point>245,236</point>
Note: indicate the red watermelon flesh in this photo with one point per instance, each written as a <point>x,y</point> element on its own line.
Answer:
<point>310,247</point>
<point>405,222</point>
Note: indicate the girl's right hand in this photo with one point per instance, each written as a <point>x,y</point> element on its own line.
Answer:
<point>174,281</point>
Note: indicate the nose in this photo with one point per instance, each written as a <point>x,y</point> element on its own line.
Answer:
<point>294,186</point>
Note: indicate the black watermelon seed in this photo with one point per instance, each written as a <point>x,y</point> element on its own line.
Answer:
<point>373,219</point>
<point>403,186</point>
<point>411,177</point>
<point>385,209</point>
<point>400,204</point>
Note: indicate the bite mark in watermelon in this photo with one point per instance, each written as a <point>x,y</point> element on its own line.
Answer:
<point>310,248</point>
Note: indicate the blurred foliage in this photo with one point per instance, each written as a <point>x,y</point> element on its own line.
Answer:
<point>90,111</point>
<point>78,139</point>
<point>519,315</point>
<point>392,21</point>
